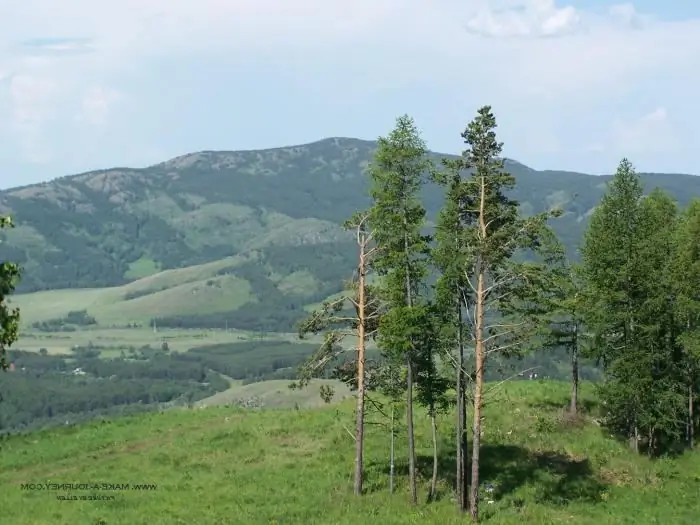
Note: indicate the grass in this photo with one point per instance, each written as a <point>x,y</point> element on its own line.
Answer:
<point>229,466</point>
<point>183,291</point>
<point>194,290</point>
<point>118,339</point>
<point>143,267</point>
<point>277,394</point>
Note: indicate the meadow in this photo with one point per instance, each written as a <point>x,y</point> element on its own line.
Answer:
<point>226,465</point>
<point>115,339</point>
<point>183,291</point>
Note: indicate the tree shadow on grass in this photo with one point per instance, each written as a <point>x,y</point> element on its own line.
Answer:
<point>557,479</point>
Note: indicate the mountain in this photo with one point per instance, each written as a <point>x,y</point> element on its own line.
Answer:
<point>268,218</point>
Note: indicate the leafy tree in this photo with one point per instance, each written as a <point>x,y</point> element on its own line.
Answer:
<point>686,278</point>
<point>610,264</point>
<point>9,317</point>
<point>355,314</point>
<point>664,403</point>
<point>397,218</point>
<point>497,284</point>
<point>627,256</point>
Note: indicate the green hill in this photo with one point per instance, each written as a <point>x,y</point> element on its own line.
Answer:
<point>228,466</point>
<point>254,228</point>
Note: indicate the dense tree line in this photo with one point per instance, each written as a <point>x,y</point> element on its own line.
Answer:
<point>46,389</point>
<point>640,264</point>
<point>69,323</point>
<point>505,290</point>
<point>255,360</point>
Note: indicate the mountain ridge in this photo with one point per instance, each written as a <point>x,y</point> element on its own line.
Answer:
<point>282,206</point>
<point>335,139</point>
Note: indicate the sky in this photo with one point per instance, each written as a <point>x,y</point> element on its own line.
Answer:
<point>574,84</point>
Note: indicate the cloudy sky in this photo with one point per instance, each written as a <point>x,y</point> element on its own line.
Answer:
<point>575,84</point>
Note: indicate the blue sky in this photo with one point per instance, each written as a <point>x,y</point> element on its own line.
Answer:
<point>575,85</point>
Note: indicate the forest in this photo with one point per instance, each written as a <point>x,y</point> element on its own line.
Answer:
<point>505,285</point>
<point>44,390</point>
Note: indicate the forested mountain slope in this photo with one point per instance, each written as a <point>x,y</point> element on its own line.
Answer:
<point>280,209</point>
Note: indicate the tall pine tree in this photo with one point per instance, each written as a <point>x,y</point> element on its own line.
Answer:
<point>449,256</point>
<point>398,218</point>
<point>495,289</point>
<point>355,315</point>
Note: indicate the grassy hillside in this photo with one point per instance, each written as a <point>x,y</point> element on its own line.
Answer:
<point>273,287</point>
<point>229,466</point>
<point>275,394</point>
<point>190,290</point>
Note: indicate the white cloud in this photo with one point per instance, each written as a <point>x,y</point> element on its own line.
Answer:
<point>628,15</point>
<point>464,51</point>
<point>96,106</point>
<point>31,103</point>
<point>649,133</point>
<point>534,18</point>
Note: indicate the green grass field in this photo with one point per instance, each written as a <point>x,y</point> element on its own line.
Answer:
<point>229,466</point>
<point>115,339</point>
<point>276,394</point>
<point>194,290</point>
<point>183,291</point>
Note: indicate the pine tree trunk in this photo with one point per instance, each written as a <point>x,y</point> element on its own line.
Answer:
<point>409,383</point>
<point>360,423</point>
<point>461,488</point>
<point>433,482</point>
<point>411,443</point>
<point>391,453</point>
<point>573,407</point>
<point>691,419</point>
<point>465,457</point>
<point>478,391</point>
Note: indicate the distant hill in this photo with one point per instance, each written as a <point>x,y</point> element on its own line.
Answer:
<point>278,211</point>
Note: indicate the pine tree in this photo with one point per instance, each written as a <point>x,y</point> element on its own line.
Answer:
<point>562,326</point>
<point>433,384</point>
<point>663,408</point>
<point>495,290</point>
<point>397,218</point>
<point>449,256</point>
<point>356,315</point>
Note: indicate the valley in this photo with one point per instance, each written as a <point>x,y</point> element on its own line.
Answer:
<point>160,317</point>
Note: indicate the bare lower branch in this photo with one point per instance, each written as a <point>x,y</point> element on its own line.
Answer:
<point>497,283</point>
<point>496,336</point>
<point>503,348</point>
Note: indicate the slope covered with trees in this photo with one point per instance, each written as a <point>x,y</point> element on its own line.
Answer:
<point>112,226</point>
